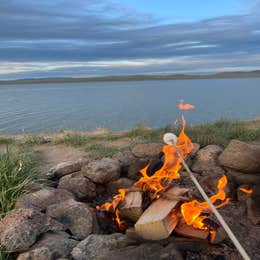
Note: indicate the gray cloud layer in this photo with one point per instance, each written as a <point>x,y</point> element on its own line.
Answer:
<point>87,30</point>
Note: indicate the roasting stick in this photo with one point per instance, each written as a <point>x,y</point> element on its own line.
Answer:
<point>170,138</point>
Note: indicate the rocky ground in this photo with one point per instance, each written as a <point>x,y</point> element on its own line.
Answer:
<point>58,220</point>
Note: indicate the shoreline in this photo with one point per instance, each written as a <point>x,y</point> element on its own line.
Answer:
<point>222,75</point>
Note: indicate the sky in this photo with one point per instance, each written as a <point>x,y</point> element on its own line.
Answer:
<point>85,38</point>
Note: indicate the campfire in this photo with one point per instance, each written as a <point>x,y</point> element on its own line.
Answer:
<point>155,206</point>
<point>159,205</point>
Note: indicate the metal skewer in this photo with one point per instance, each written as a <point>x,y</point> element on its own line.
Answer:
<point>167,138</point>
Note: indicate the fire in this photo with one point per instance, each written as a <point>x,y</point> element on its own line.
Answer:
<point>246,190</point>
<point>162,178</point>
<point>192,211</point>
<point>183,106</point>
<point>113,207</point>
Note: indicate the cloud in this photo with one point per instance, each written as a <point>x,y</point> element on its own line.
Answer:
<point>81,33</point>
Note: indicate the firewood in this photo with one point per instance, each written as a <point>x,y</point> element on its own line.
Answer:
<point>160,218</point>
<point>219,236</point>
<point>131,207</point>
<point>188,231</point>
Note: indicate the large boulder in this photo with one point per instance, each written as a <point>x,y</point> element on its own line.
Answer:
<point>95,246</point>
<point>65,168</point>
<point>41,199</point>
<point>77,217</point>
<point>20,228</point>
<point>102,171</point>
<point>205,161</point>
<point>118,246</point>
<point>80,186</point>
<point>122,183</point>
<point>241,156</point>
<point>50,246</point>
<point>147,150</point>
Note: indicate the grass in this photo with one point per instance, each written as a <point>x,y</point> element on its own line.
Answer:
<point>222,132</point>
<point>17,171</point>
<point>6,141</point>
<point>98,145</point>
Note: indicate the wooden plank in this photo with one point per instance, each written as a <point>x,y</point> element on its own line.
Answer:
<point>131,207</point>
<point>188,231</point>
<point>160,218</point>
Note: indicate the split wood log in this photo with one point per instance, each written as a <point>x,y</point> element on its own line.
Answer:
<point>131,207</point>
<point>188,231</point>
<point>159,219</point>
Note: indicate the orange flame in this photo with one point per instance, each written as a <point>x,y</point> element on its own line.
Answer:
<point>162,178</point>
<point>113,207</point>
<point>246,190</point>
<point>183,106</point>
<point>191,211</point>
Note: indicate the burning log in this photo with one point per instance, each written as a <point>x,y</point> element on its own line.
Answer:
<point>188,231</point>
<point>131,207</point>
<point>160,218</point>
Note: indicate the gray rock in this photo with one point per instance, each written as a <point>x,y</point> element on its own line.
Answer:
<point>205,161</point>
<point>20,228</point>
<point>43,198</point>
<point>81,187</point>
<point>241,156</point>
<point>50,246</point>
<point>122,183</point>
<point>102,171</point>
<point>147,150</point>
<point>99,245</point>
<point>125,158</point>
<point>194,151</point>
<point>146,251</point>
<point>240,178</point>
<point>133,171</point>
<point>65,168</point>
<point>76,217</point>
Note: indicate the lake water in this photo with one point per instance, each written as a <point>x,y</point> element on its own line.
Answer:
<point>122,105</point>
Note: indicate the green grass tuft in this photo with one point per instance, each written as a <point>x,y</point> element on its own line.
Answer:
<point>17,171</point>
<point>6,141</point>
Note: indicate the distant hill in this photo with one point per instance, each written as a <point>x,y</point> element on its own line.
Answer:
<point>235,74</point>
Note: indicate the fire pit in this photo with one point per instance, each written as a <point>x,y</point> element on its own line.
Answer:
<point>143,204</point>
<point>156,207</point>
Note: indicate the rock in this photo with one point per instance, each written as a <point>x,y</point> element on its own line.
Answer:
<point>122,183</point>
<point>240,178</point>
<point>95,246</point>
<point>205,161</point>
<point>194,150</point>
<point>125,158</point>
<point>147,150</point>
<point>50,246</point>
<point>102,171</point>
<point>65,168</point>
<point>253,206</point>
<point>77,217</point>
<point>20,228</point>
<point>241,156</point>
<point>100,189</point>
<point>145,251</point>
<point>43,198</point>
<point>81,187</point>
<point>133,171</point>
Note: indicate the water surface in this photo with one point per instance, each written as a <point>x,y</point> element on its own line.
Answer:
<point>121,105</point>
